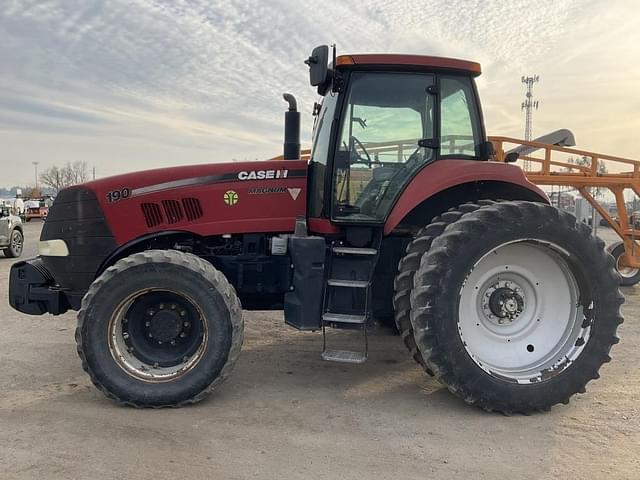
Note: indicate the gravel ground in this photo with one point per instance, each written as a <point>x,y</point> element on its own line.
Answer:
<point>286,414</point>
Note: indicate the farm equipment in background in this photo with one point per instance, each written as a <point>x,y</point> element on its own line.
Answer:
<point>397,216</point>
<point>551,168</point>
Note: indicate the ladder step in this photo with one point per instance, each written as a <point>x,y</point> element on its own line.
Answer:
<point>343,318</point>
<point>355,251</point>
<point>334,282</point>
<point>344,356</point>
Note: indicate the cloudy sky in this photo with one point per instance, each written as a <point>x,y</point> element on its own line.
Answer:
<point>129,85</point>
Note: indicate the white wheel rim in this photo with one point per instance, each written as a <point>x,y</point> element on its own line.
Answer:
<point>623,270</point>
<point>535,333</point>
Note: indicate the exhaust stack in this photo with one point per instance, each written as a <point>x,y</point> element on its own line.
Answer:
<point>291,129</point>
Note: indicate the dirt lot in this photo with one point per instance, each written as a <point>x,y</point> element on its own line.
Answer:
<point>286,414</point>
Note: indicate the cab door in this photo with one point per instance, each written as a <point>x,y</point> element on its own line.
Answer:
<point>387,133</point>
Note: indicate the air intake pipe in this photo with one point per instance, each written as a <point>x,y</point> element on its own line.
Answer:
<point>291,129</point>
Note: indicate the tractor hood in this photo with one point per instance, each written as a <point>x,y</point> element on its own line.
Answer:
<point>208,199</point>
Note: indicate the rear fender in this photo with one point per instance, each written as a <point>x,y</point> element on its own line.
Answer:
<point>447,175</point>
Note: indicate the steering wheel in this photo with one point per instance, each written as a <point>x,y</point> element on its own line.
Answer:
<point>359,158</point>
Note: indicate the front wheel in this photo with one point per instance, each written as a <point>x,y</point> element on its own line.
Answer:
<point>515,307</point>
<point>159,328</point>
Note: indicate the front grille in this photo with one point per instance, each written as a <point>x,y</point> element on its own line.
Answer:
<point>152,214</point>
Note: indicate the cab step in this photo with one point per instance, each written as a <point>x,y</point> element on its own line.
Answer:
<point>344,356</point>
<point>355,251</point>
<point>336,282</point>
<point>329,317</point>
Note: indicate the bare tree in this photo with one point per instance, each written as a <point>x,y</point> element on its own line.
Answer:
<point>53,177</point>
<point>62,177</point>
<point>76,173</point>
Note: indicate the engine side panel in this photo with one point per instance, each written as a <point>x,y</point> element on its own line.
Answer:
<point>205,199</point>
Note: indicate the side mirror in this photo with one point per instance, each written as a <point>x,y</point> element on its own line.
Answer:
<point>318,66</point>
<point>511,157</point>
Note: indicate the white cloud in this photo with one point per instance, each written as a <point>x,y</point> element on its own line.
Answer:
<point>134,85</point>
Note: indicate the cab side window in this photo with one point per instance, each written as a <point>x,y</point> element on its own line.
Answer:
<point>459,128</point>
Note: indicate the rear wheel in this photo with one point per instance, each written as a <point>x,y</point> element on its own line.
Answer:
<point>629,275</point>
<point>159,328</point>
<point>515,307</point>
<point>16,243</point>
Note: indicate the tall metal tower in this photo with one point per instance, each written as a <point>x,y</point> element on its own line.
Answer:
<point>528,106</point>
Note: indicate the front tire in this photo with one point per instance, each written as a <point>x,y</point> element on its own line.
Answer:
<point>515,307</point>
<point>160,328</point>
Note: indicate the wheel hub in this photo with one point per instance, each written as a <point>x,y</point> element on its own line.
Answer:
<point>159,330</point>
<point>165,325</point>
<point>504,301</point>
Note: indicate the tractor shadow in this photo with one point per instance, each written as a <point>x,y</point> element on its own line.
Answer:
<point>289,361</point>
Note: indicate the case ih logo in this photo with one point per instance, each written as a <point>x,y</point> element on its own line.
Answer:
<point>262,174</point>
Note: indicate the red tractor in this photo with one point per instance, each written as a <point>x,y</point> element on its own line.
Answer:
<point>398,217</point>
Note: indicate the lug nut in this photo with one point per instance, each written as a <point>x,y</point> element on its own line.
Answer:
<point>150,336</point>
<point>147,324</point>
<point>150,312</point>
<point>173,306</point>
<point>187,324</point>
<point>125,335</point>
<point>182,335</point>
<point>183,313</point>
<point>172,342</point>
<point>161,306</point>
<point>159,342</point>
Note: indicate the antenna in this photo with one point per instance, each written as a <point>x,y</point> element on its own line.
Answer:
<point>528,106</point>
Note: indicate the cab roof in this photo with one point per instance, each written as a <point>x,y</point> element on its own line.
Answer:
<point>415,61</point>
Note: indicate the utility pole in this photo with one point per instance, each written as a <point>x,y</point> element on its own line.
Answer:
<point>528,106</point>
<point>94,173</point>
<point>35,164</point>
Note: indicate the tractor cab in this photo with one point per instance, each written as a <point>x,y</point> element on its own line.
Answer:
<point>382,119</point>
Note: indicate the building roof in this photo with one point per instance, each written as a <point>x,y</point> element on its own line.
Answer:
<point>421,61</point>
